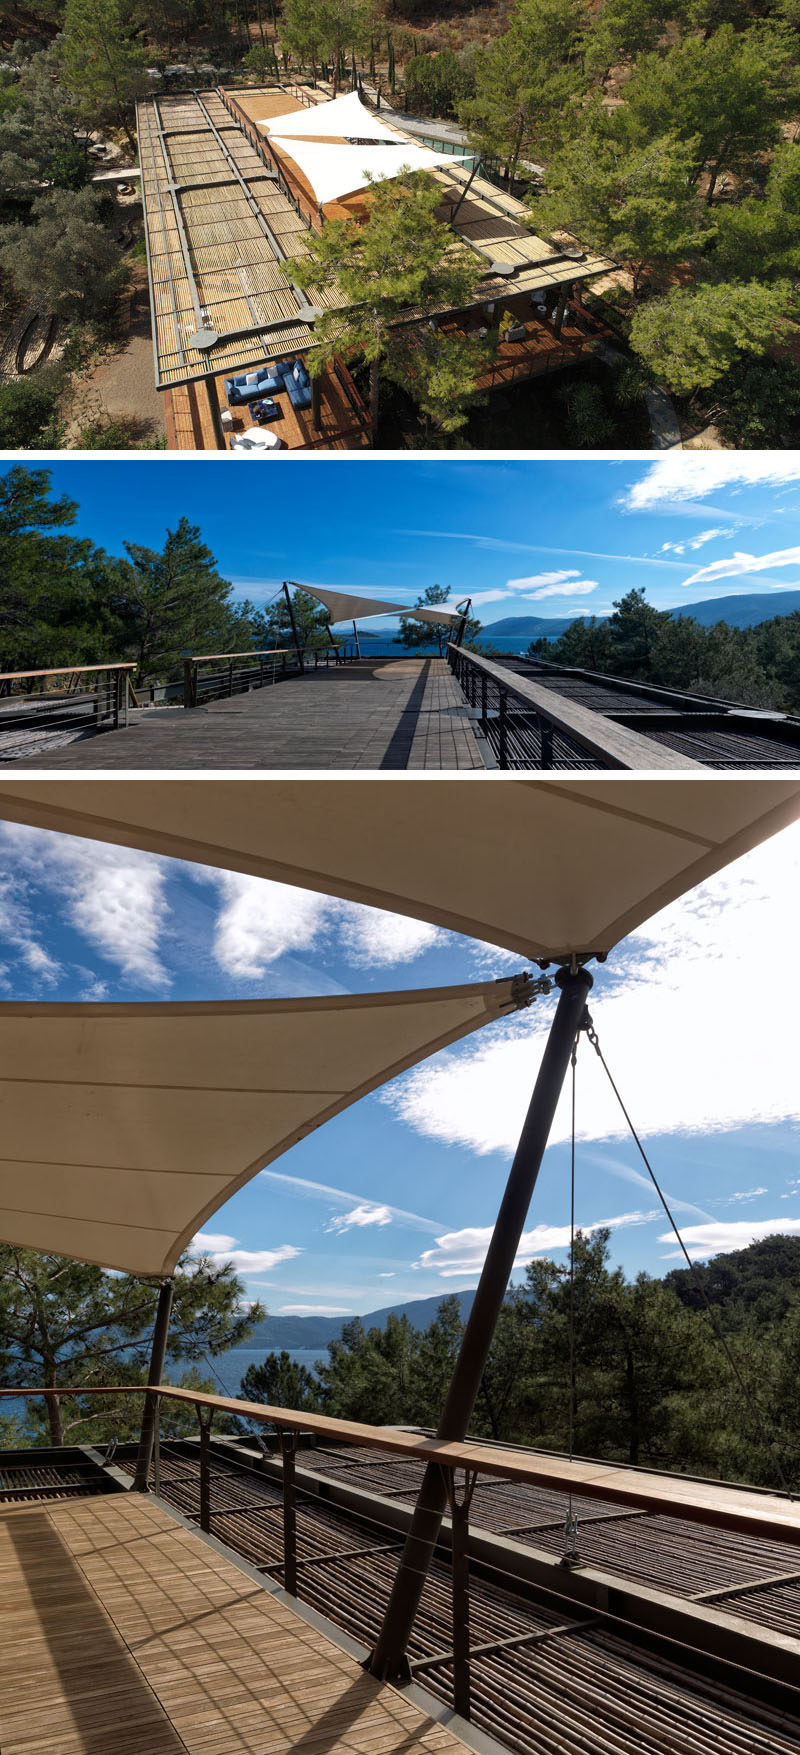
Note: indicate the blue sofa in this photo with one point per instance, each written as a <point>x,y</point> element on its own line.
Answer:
<point>289,375</point>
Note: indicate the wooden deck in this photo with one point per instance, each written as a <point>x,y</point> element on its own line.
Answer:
<point>123,1633</point>
<point>190,427</point>
<point>542,349</point>
<point>396,713</point>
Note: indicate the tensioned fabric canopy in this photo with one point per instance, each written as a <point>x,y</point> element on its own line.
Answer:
<point>334,171</point>
<point>544,867</point>
<point>344,607</point>
<point>125,1126</point>
<point>342,117</point>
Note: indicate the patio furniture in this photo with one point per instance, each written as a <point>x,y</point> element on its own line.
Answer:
<point>265,411</point>
<point>278,375</point>
<point>226,417</point>
<point>249,386</point>
<point>255,440</point>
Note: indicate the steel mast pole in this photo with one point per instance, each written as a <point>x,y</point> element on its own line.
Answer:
<point>388,1659</point>
<point>157,1357</point>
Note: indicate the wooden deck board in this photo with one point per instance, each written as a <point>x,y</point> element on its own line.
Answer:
<point>396,714</point>
<point>124,1634</point>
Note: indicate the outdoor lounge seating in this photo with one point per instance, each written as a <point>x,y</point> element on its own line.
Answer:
<point>289,375</point>
<point>249,386</point>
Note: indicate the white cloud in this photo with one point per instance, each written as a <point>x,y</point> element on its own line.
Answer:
<point>738,564</point>
<point>560,584</point>
<point>221,1249</point>
<point>718,1239</point>
<point>370,935</point>
<point>701,1037</point>
<point>16,930</point>
<point>463,1252</point>
<point>677,477</point>
<point>113,896</point>
<point>360,1216</point>
<point>260,921</point>
<point>695,542</point>
<point>536,581</point>
<point>343,1197</point>
<point>582,589</point>
<point>709,536</point>
<point>746,1194</point>
<point>313,1310</point>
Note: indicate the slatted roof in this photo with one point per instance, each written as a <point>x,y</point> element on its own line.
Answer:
<point>219,220</point>
<point>217,226</point>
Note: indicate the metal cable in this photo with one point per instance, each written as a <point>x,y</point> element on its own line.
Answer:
<point>746,1391</point>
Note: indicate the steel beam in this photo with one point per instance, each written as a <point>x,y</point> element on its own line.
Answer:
<point>157,1357</point>
<point>389,1656</point>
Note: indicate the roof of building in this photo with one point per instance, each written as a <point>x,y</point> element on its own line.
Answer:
<point>221,215</point>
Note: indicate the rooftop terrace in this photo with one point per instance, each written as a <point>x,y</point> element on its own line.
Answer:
<point>367,714</point>
<point>161,1622</point>
<point>225,207</point>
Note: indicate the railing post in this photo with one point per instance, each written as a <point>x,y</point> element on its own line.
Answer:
<point>459,1523</point>
<point>288,1443</point>
<point>157,1358</point>
<point>205,1418</point>
<point>502,751</point>
<point>484,719</point>
<point>157,1444</point>
<point>189,683</point>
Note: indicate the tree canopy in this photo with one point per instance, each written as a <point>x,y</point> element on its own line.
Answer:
<point>399,260</point>
<point>66,1322</point>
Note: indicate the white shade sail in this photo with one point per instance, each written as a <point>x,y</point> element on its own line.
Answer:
<point>126,1126</point>
<point>342,117</point>
<point>543,867</point>
<point>333,171</point>
<point>343,606</point>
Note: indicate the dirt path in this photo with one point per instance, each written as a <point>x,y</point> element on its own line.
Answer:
<point>122,386</point>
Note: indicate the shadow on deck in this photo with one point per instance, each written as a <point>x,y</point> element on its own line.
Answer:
<point>369,714</point>
<point>124,1633</point>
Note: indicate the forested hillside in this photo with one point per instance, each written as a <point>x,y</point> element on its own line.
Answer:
<point>755,666</point>
<point>662,133</point>
<point>652,1383</point>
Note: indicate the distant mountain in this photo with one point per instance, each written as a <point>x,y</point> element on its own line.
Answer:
<point>531,627</point>
<point>292,1332</point>
<point>740,612</point>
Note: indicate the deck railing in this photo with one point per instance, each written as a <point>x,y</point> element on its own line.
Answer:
<point>751,1511</point>
<point>527,726</point>
<point>81,697</point>
<point>236,673</point>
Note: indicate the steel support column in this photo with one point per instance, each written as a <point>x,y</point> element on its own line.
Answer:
<point>157,1357</point>
<point>297,646</point>
<point>389,1656</point>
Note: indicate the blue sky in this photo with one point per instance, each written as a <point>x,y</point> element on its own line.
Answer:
<point>534,536</point>
<point>394,1198</point>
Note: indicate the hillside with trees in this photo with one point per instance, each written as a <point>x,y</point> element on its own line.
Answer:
<point>652,1384</point>
<point>664,136</point>
<point>754,666</point>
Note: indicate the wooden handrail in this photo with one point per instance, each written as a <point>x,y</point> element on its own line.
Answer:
<point>751,1510</point>
<point>214,657</point>
<point>615,744</point>
<point>63,670</point>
